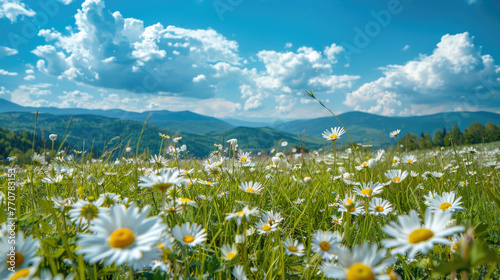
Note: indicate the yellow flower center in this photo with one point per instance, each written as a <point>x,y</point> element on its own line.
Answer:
<point>360,271</point>
<point>241,213</point>
<point>366,192</point>
<point>190,183</point>
<point>336,220</point>
<point>209,183</point>
<point>163,187</point>
<point>186,172</point>
<point>250,190</point>
<point>231,255</point>
<point>420,235</point>
<point>89,211</point>
<point>463,182</point>
<point>243,159</point>
<point>292,249</point>
<point>349,201</point>
<point>365,163</point>
<point>19,259</point>
<point>20,274</point>
<point>185,200</point>
<point>379,208</point>
<point>444,206</point>
<point>334,136</point>
<point>396,179</point>
<point>394,160</point>
<point>325,246</point>
<point>410,160</point>
<point>266,228</point>
<point>188,239</point>
<point>121,238</point>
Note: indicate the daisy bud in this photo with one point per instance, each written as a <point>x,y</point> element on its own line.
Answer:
<point>53,137</point>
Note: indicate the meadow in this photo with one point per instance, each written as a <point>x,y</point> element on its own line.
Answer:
<point>335,213</point>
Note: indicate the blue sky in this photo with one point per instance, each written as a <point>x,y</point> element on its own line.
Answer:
<point>252,59</point>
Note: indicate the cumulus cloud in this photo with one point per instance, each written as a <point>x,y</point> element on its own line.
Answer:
<point>455,71</point>
<point>11,9</point>
<point>107,50</point>
<point>5,51</point>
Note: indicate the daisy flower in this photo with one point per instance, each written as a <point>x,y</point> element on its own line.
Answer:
<point>165,180</point>
<point>271,218</point>
<point>183,201</point>
<point>395,161</point>
<point>244,213</point>
<point>336,220</point>
<point>409,159</point>
<point>229,251</point>
<point>415,237</point>
<point>356,208</point>
<point>325,243</point>
<point>251,187</point>
<point>24,261</point>
<point>189,234</point>
<point>265,228</point>
<point>122,236</point>
<point>445,202</point>
<point>85,211</point>
<point>379,206</point>
<point>243,157</point>
<point>334,134</point>
<point>365,262</point>
<point>167,245</point>
<point>394,133</point>
<point>239,272</point>
<point>293,247</point>
<point>368,189</point>
<point>396,175</point>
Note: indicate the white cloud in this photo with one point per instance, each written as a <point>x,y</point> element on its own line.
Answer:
<point>5,51</point>
<point>406,47</point>
<point>288,45</point>
<point>11,9</point>
<point>455,69</point>
<point>7,73</point>
<point>107,50</point>
<point>199,78</point>
<point>65,2</point>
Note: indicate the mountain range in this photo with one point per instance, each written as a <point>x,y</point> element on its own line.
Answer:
<point>203,130</point>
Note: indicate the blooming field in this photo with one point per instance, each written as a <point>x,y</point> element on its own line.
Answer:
<point>334,214</point>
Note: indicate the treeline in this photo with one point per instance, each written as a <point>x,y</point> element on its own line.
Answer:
<point>474,134</point>
<point>19,145</point>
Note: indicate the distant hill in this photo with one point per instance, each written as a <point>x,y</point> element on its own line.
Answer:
<point>103,133</point>
<point>182,121</point>
<point>364,126</point>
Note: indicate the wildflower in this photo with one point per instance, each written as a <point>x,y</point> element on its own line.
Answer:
<point>396,176</point>
<point>122,236</point>
<point>409,159</point>
<point>325,243</point>
<point>265,228</point>
<point>369,189</point>
<point>233,142</point>
<point>165,180</point>
<point>53,137</point>
<point>284,144</point>
<point>334,134</point>
<point>177,139</point>
<point>365,262</point>
<point>394,133</point>
<point>336,220</point>
<point>239,273</point>
<point>85,211</point>
<point>271,218</point>
<point>251,187</point>
<point>244,213</point>
<point>163,136</point>
<point>189,234</point>
<point>229,252</point>
<point>379,206</point>
<point>293,247</point>
<point>24,262</point>
<point>38,159</point>
<point>183,201</point>
<point>414,237</point>
<point>445,202</point>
